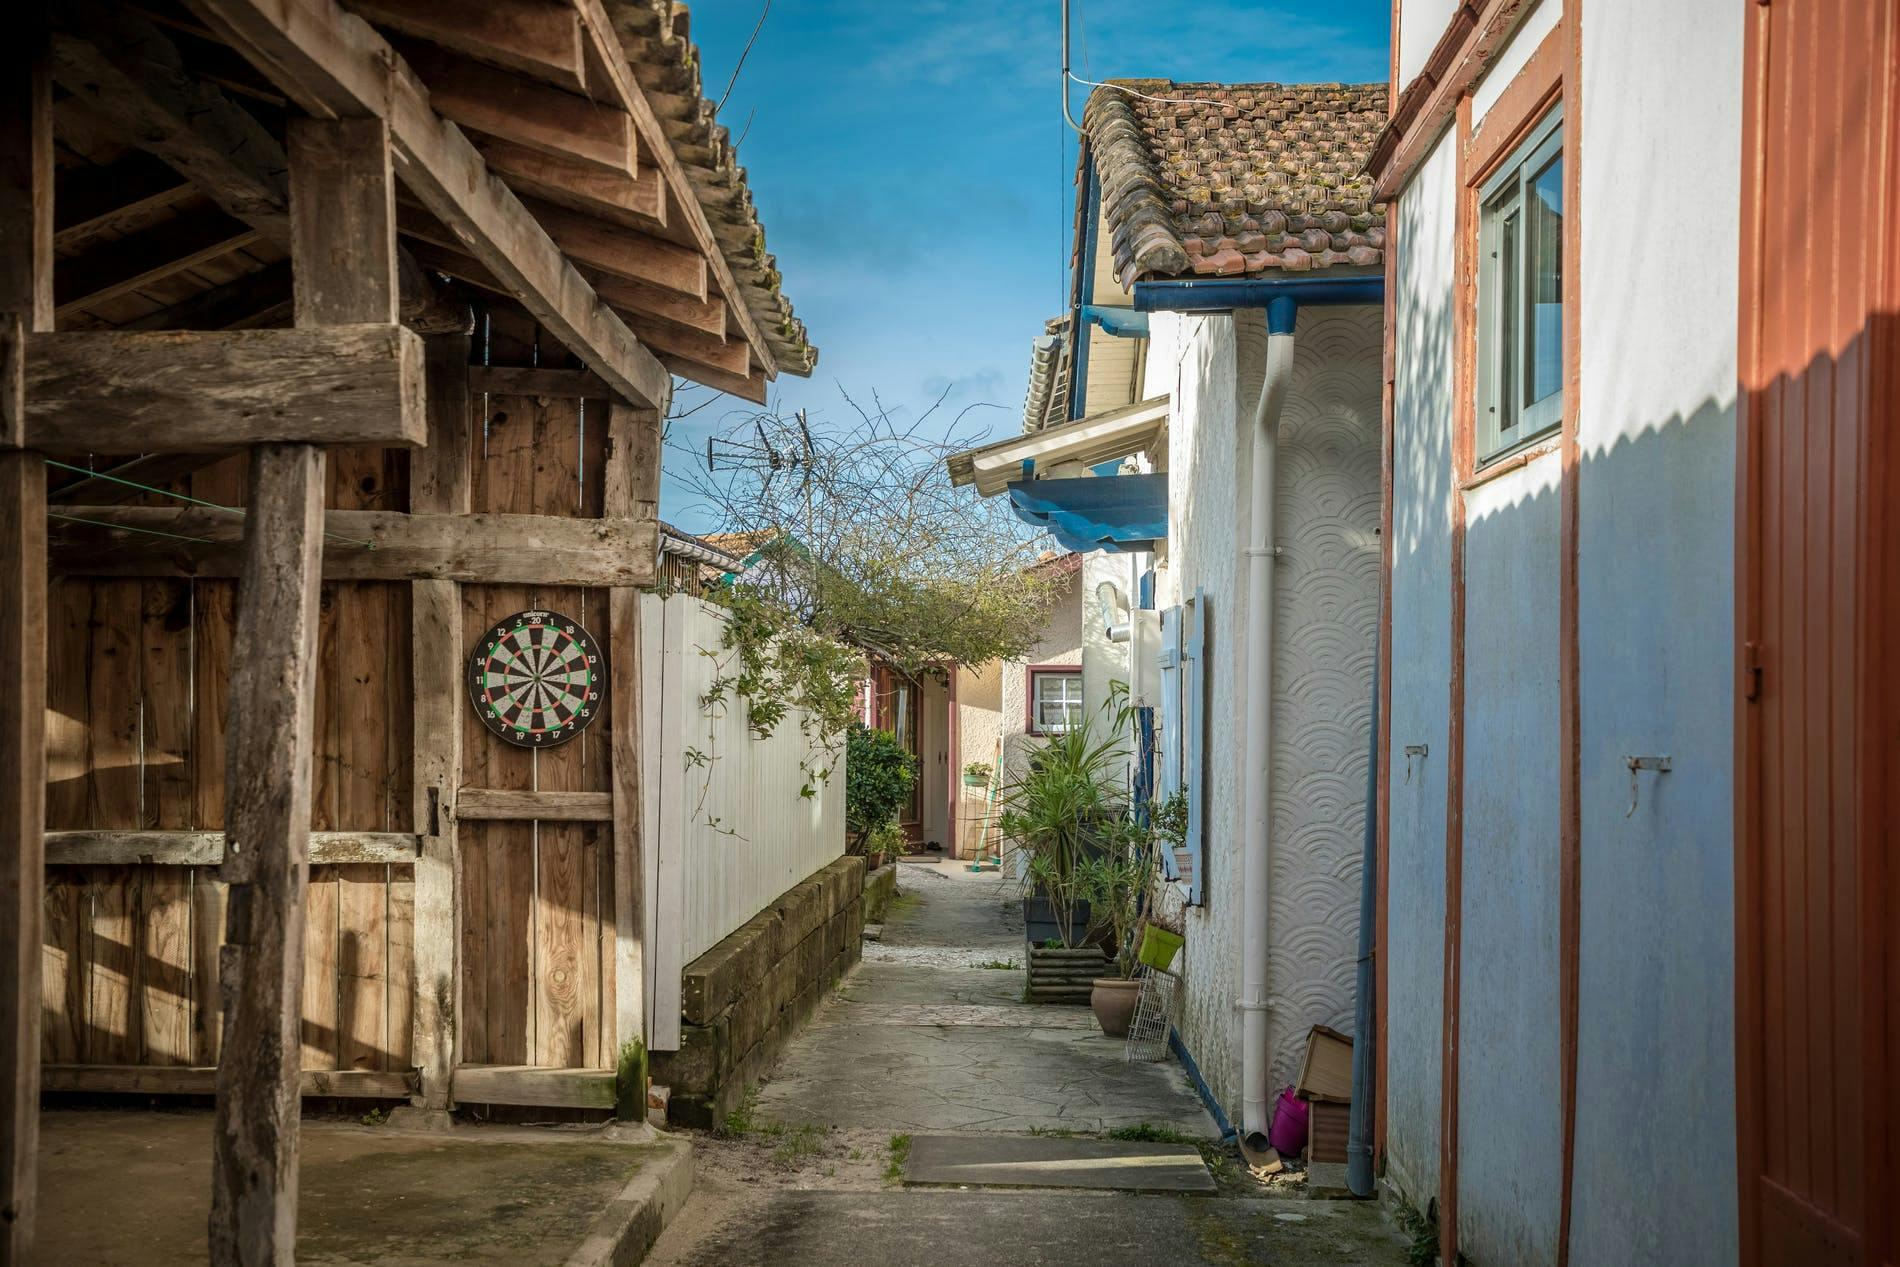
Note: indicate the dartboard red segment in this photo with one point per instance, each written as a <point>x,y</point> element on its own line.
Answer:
<point>537,679</point>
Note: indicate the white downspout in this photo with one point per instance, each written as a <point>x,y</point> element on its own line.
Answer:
<point>1258,774</point>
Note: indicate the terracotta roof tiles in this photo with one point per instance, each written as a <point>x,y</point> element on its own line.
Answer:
<point>1219,180</point>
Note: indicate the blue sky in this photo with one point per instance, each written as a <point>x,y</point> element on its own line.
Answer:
<point>913,172</point>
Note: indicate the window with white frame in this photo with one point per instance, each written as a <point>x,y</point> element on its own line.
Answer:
<point>1055,700</point>
<point>1520,295</point>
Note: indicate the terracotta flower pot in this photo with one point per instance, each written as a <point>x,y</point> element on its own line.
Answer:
<point>1113,1002</point>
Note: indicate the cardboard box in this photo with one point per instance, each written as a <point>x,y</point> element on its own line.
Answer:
<point>1328,1125</point>
<point>1326,1073</point>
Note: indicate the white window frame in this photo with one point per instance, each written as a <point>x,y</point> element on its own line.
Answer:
<point>1066,674</point>
<point>1506,424</point>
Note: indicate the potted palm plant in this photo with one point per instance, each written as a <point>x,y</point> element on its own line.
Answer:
<point>1115,883</point>
<point>1058,812</point>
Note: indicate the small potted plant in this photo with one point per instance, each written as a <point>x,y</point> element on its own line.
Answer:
<point>1170,819</point>
<point>976,774</point>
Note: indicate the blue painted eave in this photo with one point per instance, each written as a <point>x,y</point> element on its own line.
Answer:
<point>1119,513</point>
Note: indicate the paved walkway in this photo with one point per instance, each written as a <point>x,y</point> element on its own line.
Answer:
<point>921,1038</point>
<point>920,1042</point>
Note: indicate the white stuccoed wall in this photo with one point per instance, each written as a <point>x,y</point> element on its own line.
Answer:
<point>1326,622</point>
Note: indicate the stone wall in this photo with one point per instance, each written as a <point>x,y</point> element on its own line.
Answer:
<point>741,1000</point>
<point>880,887</point>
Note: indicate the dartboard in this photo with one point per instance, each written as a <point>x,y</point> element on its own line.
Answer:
<point>536,679</point>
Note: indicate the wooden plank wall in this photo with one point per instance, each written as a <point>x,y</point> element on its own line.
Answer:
<point>137,674</point>
<point>537,898</point>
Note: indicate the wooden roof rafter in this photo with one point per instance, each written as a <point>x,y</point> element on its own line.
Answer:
<point>334,65</point>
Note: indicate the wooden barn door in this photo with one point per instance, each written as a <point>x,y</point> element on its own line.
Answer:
<point>1817,885</point>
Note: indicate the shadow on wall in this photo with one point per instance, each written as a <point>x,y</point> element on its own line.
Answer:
<point>1655,640</point>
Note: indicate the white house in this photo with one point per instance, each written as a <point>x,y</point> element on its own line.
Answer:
<point>1200,205</point>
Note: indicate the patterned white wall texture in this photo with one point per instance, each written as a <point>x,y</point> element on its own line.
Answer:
<point>1326,619</point>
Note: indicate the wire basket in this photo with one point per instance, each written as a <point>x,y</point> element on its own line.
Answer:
<point>1155,1013</point>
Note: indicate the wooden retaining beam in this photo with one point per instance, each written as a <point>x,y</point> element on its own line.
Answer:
<point>207,848</point>
<point>366,545</point>
<point>533,1085</point>
<point>364,1084</point>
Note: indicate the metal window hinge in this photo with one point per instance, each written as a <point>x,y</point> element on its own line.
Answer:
<point>1751,670</point>
<point>1413,750</point>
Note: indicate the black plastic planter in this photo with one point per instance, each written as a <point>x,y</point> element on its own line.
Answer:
<point>1041,924</point>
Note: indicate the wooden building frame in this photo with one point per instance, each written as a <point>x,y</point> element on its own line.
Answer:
<point>243,251</point>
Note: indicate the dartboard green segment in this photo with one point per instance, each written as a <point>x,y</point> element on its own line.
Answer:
<point>536,679</point>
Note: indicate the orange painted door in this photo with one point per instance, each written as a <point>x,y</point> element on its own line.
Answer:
<point>1818,1027</point>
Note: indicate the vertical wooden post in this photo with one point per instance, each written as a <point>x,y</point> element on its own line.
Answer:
<point>26,303</point>
<point>343,257</point>
<point>632,491</point>
<point>267,833</point>
<point>440,481</point>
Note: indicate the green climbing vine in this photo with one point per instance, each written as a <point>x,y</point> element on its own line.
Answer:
<point>775,668</point>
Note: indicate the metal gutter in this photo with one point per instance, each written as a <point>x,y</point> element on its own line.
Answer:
<point>1224,294</point>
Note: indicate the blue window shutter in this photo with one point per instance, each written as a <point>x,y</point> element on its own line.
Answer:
<point>1168,716</point>
<point>1194,692</point>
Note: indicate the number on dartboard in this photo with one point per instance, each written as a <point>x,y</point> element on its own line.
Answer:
<point>536,679</point>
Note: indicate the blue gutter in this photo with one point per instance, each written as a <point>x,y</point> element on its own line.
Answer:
<point>1227,1133</point>
<point>1084,286</point>
<point>1123,323</point>
<point>1224,294</point>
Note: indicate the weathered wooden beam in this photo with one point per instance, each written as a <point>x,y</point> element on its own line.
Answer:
<point>529,1085</point>
<point>707,316</point>
<point>365,545</point>
<point>116,199</point>
<point>638,202</point>
<point>685,211</point>
<point>440,482</point>
<point>335,64</point>
<point>114,391</point>
<point>622,252</point>
<point>528,380</point>
<point>441,476</point>
<point>26,304</point>
<point>207,848</point>
<point>267,811</point>
<point>436,667</point>
<point>364,1084</point>
<point>528,113</point>
<point>733,357</point>
<point>488,804</point>
<point>750,388</point>
<point>130,74</point>
<point>253,301</point>
<point>343,223</point>
<point>125,264</point>
<point>536,37</point>
<point>630,488</point>
<point>704,316</point>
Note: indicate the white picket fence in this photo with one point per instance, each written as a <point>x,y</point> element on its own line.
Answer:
<point>726,829</point>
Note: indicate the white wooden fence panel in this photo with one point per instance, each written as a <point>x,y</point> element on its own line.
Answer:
<point>728,829</point>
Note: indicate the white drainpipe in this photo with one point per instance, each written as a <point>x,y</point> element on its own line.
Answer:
<point>1257,1110</point>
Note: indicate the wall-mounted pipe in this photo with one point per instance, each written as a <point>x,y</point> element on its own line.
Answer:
<point>1281,298</point>
<point>1114,627</point>
<point>1065,68</point>
<point>1262,550</point>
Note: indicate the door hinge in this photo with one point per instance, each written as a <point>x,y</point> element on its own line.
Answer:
<point>1751,671</point>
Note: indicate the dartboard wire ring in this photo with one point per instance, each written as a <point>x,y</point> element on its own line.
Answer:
<point>537,679</point>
